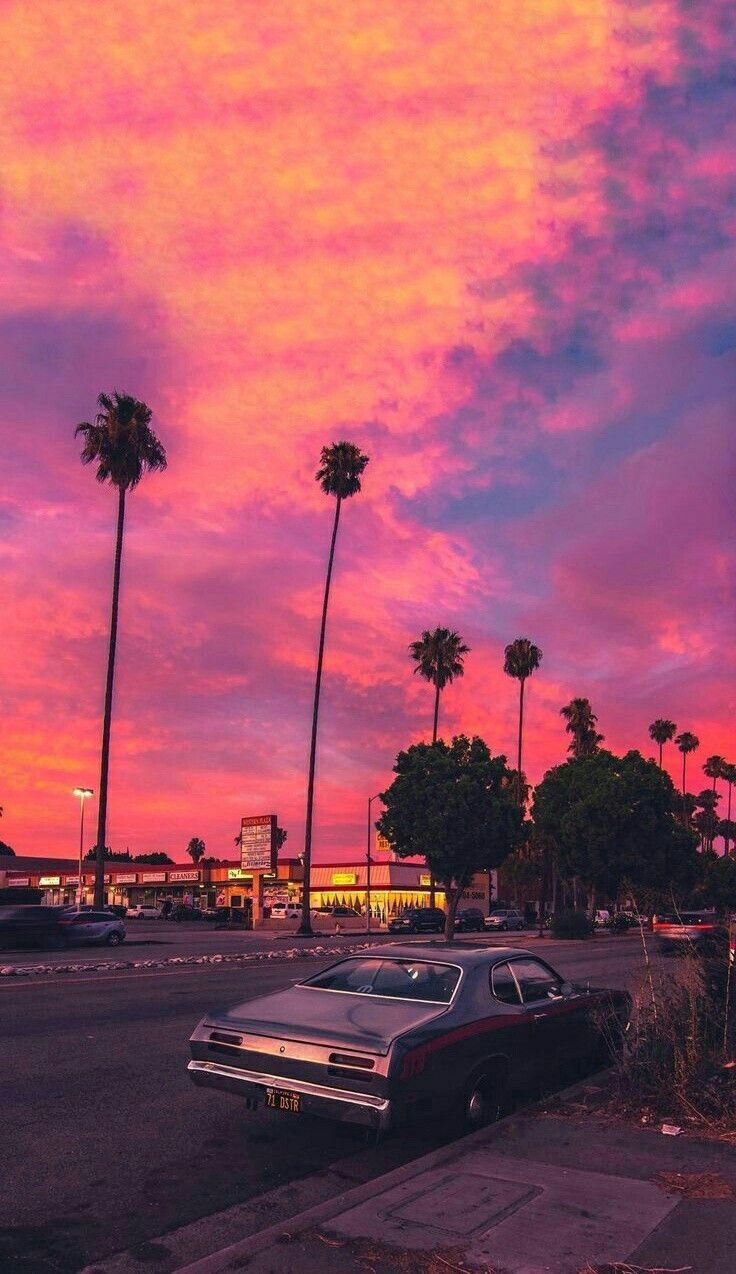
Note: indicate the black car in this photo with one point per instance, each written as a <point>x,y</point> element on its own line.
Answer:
<point>418,920</point>
<point>32,926</point>
<point>471,920</point>
<point>408,1032</point>
<point>181,911</point>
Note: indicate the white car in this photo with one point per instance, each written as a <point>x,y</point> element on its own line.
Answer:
<point>286,911</point>
<point>505,918</point>
<point>142,912</point>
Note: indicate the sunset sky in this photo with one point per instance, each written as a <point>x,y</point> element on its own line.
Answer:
<point>491,243</point>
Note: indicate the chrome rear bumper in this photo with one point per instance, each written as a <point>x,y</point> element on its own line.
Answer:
<point>332,1103</point>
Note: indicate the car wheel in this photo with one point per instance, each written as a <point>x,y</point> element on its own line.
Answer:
<point>482,1101</point>
<point>503,927</point>
<point>113,939</point>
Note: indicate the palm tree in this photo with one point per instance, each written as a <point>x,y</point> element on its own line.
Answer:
<point>339,473</point>
<point>581,722</point>
<point>661,731</point>
<point>728,773</point>
<point>713,768</point>
<point>521,659</point>
<point>196,849</point>
<point>122,444</point>
<point>439,658</point>
<point>686,742</point>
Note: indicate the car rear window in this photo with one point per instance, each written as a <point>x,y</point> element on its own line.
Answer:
<point>503,985</point>
<point>394,979</point>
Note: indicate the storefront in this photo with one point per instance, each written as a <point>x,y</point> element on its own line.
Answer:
<point>393,887</point>
<point>229,885</point>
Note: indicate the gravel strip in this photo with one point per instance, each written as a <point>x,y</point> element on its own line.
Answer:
<point>105,966</point>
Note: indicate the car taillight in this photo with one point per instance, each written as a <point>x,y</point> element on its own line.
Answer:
<point>349,1059</point>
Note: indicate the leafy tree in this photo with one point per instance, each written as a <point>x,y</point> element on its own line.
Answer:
<point>156,859</point>
<point>6,849</point>
<point>705,820</point>
<point>581,723</point>
<point>521,659</point>
<point>439,658</point>
<point>339,474</point>
<point>662,731</point>
<point>196,850</point>
<point>687,743</point>
<point>453,805</point>
<point>111,855</point>
<point>728,773</point>
<point>122,444</point>
<point>612,819</point>
<point>716,886</point>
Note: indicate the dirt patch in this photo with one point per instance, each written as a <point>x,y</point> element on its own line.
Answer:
<point>697,1185</point>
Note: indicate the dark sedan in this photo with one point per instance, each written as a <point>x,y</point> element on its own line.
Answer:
<point>406,1032</point>
<point>418,920</point>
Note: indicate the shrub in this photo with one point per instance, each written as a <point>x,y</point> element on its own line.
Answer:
<point>571,924</point>
<point>619,924</point>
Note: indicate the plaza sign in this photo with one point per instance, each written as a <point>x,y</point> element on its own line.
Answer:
<point>258,843</point>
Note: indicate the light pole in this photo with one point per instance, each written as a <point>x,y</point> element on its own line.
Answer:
<point>371,799</point>
<point>82,793</point>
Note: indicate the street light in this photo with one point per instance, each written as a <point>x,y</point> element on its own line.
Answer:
<point>82,793</point>
<point>371,799</point>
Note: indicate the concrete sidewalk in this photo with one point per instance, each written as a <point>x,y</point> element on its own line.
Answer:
<point>536,1194</point>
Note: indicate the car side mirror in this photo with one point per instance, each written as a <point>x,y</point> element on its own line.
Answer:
<point>566,988</point>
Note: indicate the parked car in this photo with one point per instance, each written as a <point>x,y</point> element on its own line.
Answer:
<point>142,911</point>
<point>702,931</point>
<point>286,911</point>
<point>406,1032</point>
<point>93,927</point>
<point>505,918</point>
<point>471,920</point>
<point>182,911</point>
<point>334,913</point>
<point>31,926</point>
<point>418,920</point>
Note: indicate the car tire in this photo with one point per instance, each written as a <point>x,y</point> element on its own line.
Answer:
<point>482,1100</point>
<point>503,927</point>
<point>113,940</point>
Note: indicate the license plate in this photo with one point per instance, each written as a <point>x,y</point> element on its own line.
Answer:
<point>284,1099</point>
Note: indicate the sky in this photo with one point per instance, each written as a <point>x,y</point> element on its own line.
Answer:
<point>493,245</point>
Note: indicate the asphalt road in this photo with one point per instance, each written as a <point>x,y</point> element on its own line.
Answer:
<point>106,1144</point>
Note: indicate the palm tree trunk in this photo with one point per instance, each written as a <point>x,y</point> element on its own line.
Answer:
<point>432,882</point>
<point>727,837</point>
<point>436,713</point>
<point>107,719</point>
<point>660,756</point>
<point>684,809</point>
<point>521,726</point>
<point>305,928</point>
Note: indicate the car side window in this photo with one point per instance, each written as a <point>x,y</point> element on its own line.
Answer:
<point>503,985</point>
<point>536,981</point>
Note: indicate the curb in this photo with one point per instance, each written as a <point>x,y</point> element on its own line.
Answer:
<point>231,1257</point>
<point>106,966</point>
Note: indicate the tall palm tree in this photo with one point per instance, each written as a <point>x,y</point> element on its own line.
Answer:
<point>661,731</point>
<point>521,659</point>
<point>686,742</point>
<point>581,723</point>
<point>713,768</point>
<point>122,444</point>
<point>339,473</point>
<point>196,849</point>
<point>728,773</point>
<point>439,657</point>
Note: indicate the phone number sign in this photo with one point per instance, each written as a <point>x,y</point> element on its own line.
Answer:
<point>258,843</point>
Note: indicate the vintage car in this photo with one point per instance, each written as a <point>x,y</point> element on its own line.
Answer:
<point>406,1032</point>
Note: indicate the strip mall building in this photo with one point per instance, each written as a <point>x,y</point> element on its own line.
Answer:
<point>393,885</point>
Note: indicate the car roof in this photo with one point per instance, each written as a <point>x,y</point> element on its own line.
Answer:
<point>466,954</point>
